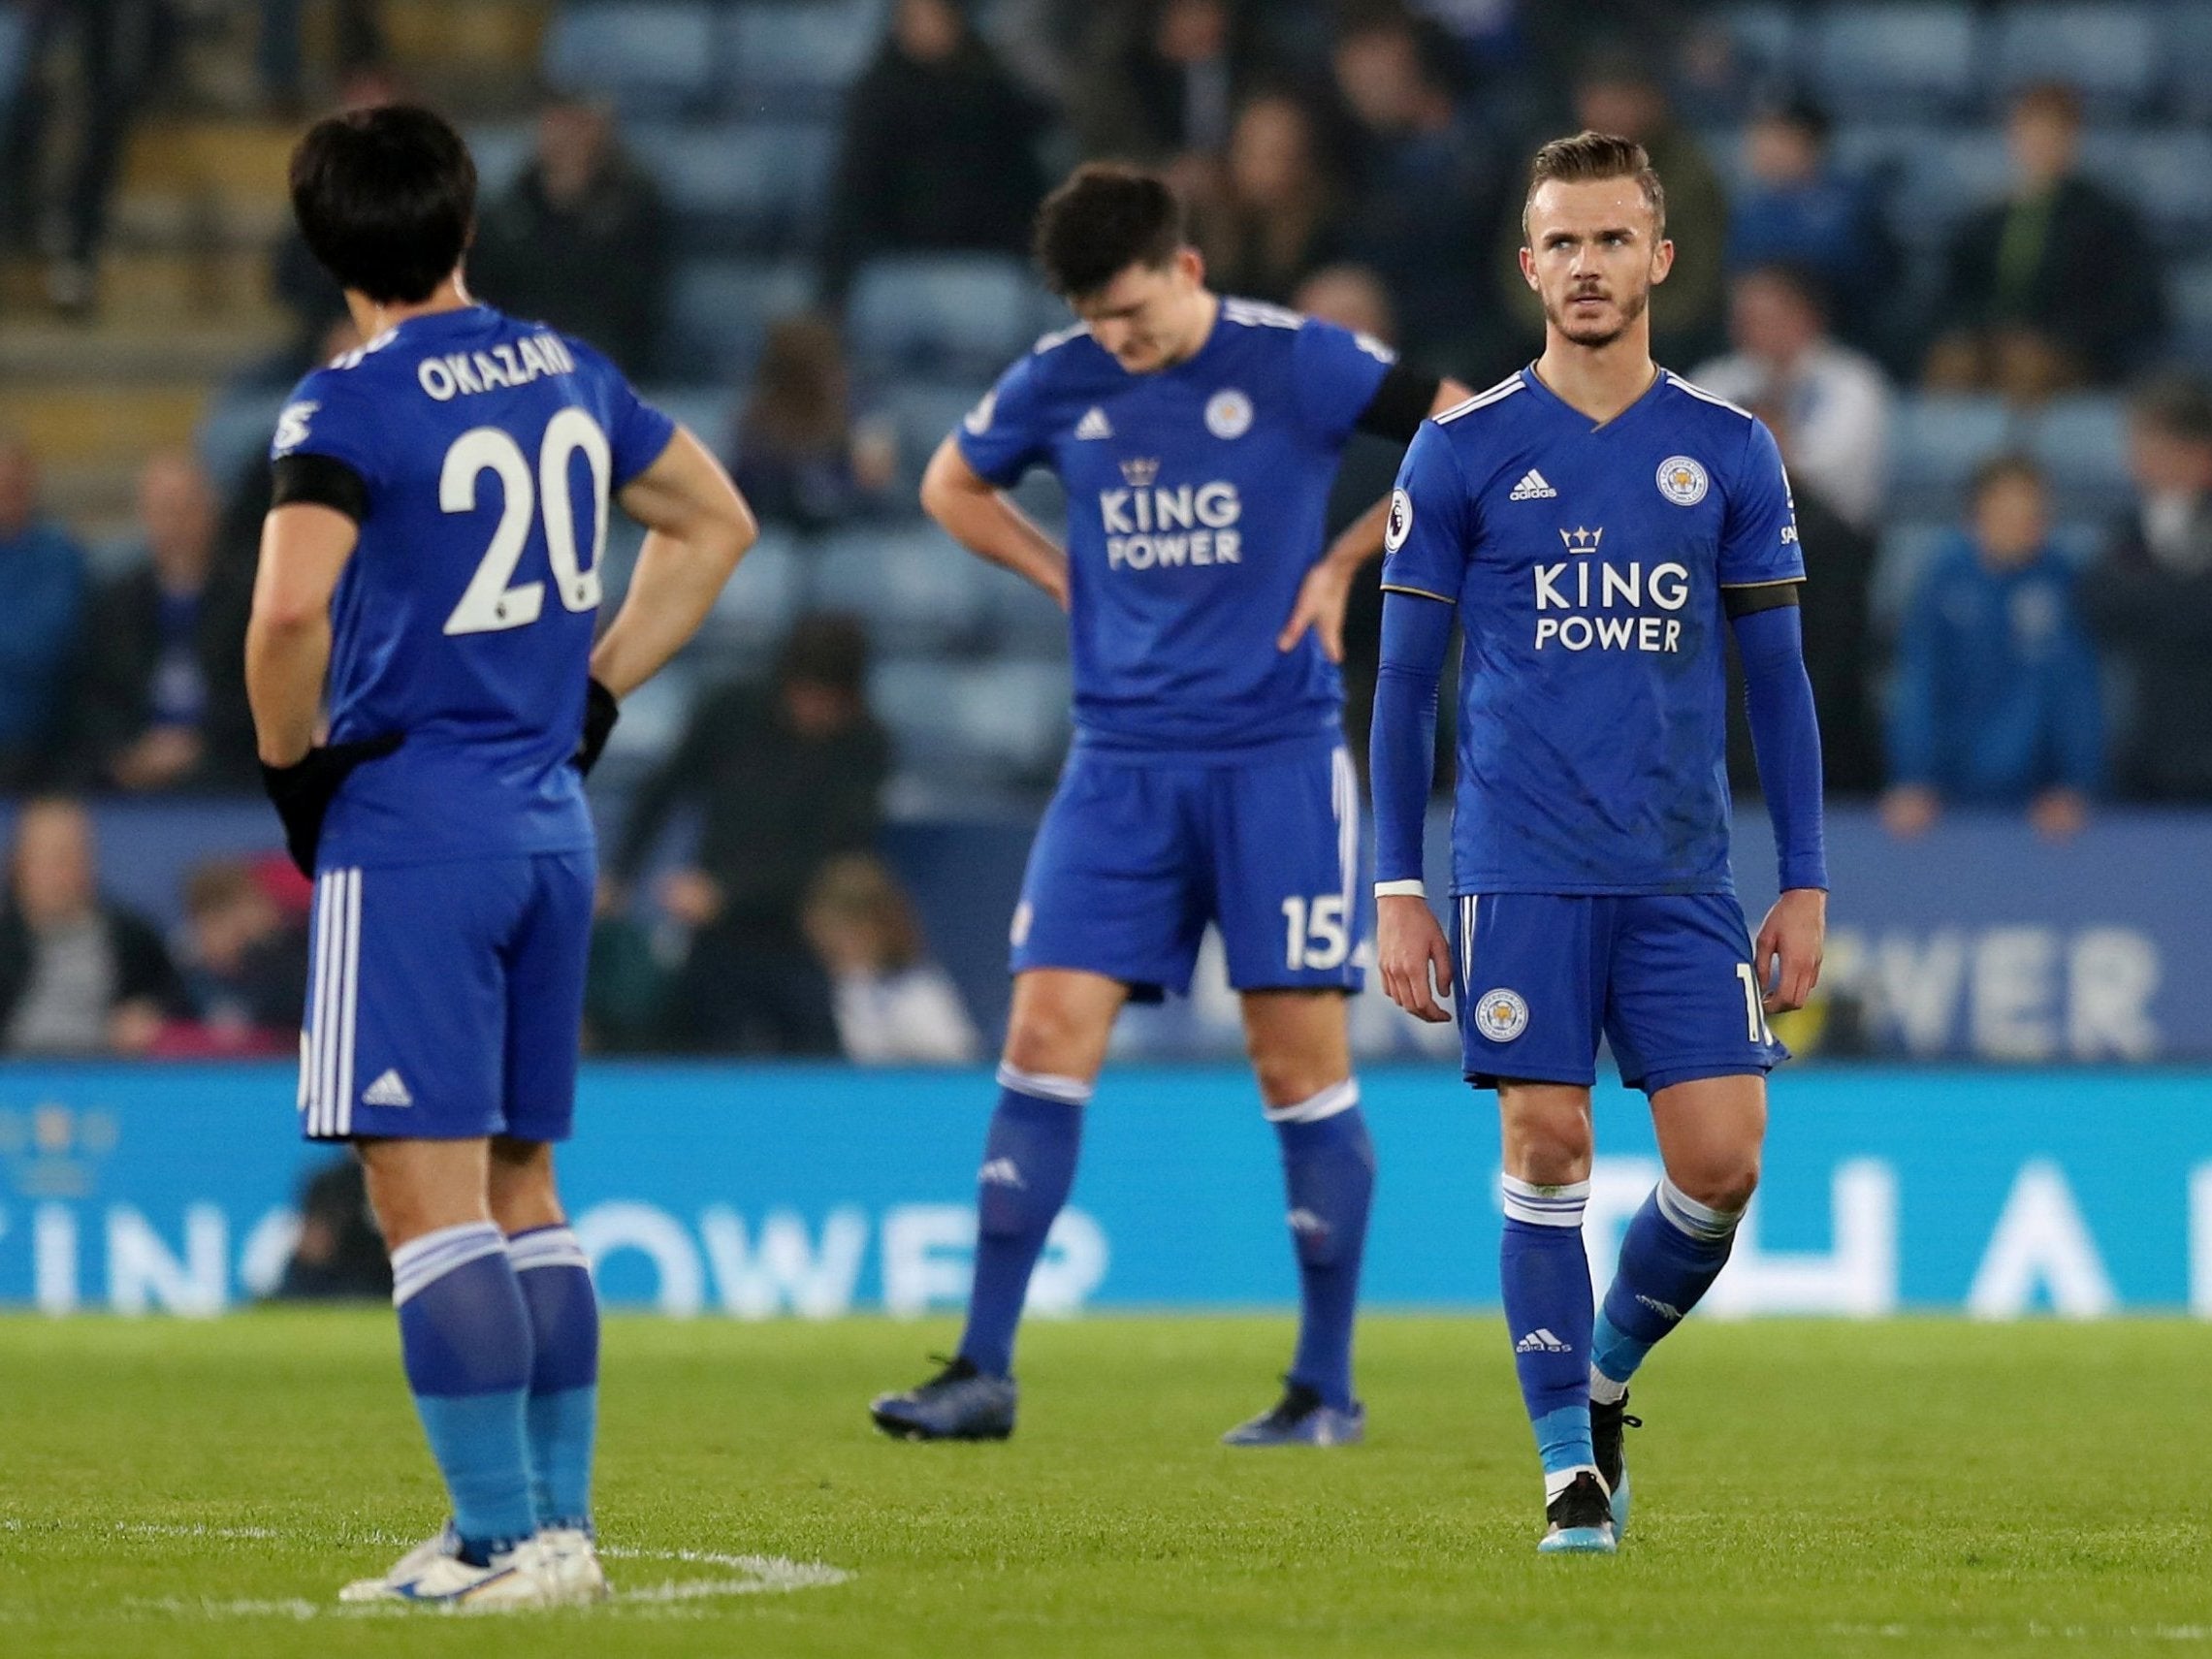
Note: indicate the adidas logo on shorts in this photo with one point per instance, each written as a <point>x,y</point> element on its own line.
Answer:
<point>1532,488</point>
<point>387,1091</point>
<point>1541,1341</point>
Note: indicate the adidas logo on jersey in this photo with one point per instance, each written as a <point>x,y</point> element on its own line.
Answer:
<point>1532,488</point>
<point>1002,1172</point>
<point>1541,1341</point>
<point>387,1091</point>
<point>1094,425</point>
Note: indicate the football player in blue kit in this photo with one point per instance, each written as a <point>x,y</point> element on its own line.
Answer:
<point>429,576</point>
<point>1595,522</point>
<point>1196,438</point>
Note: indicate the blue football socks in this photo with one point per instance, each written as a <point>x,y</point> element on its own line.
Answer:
<point>1029,1165</point>
<point>1672,1251</point>
<point>1328,1173</point>
<point>563,1412</point>
<point>466,1342</point>
<point>1544,1274</point>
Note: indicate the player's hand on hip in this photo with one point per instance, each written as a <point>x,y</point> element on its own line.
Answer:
<point>1409,948</point>
<point>1787,954</point>
<point>1322,597</point>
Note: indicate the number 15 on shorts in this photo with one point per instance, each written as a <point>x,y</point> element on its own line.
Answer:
<point>1317,936</point>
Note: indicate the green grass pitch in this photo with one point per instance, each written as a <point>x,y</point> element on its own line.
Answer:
<point>1909,1488</point>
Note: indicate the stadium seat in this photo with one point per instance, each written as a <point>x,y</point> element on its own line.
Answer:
<point>798,56</point>
<point>1767,38</point>
<point>952,316</point>
<point>650,56</point>
<point>2108,52</point>
<point>2166,172</point>
<point>1893,60</point>
<point>1936,442</point>
<point>2189,288</point>
<point>236,426</point>
<point>500,149</point>
<point>1907,548</point>
<point>707,411</point>
<point>719,314</point>
<point>1003,721</point>
<point>754,186</point>
<point>759,604</point>
<point>2185,49</point>
<point>913,584</point>
<point>921,413</point>
<point>15,27</point>
<point>1943,178</point>
<point>2082,443</point>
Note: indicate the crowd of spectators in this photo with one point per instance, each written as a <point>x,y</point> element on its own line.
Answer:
<point>1360,161</point>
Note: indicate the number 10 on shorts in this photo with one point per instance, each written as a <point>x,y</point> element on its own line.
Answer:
<point>1317,935</point>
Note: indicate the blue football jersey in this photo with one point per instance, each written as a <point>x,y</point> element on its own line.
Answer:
<point>1587,563</point>
<point>490,450</point>
<point>1195,503</point>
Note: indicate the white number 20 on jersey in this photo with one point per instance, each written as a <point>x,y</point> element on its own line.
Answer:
<point>490,604</point>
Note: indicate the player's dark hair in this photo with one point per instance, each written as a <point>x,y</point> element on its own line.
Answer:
<point>1105,218</point>
<point>1590,157</point>
<point>2004,469</point>
<point>386,200</point>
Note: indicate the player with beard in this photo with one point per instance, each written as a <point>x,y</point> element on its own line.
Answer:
<point>1594,522</point>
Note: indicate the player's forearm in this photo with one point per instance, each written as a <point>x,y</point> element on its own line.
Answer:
<point>1401,744</point>
<point>991,526</point>
<point>1785,736</point>
<point>285,661</point>
<point>679,576</point>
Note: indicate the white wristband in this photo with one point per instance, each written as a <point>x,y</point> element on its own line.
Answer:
<point>1409,889</point>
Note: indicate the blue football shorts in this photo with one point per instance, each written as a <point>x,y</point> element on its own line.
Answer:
<point>1666,978</point>
<point>446,1000</point>
<point>1135,858</point>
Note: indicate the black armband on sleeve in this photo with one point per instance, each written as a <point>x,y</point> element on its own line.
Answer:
<point>1401,404</point>
<point>320,479</point>
<point>1761,596</point>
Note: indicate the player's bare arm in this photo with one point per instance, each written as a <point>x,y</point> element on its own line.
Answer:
<point>1328,586</point>
<point>1787,952</point>
<point>982,519</point>
<point>303,551</point>
<point>697,527</point>
<point>1412,956</point>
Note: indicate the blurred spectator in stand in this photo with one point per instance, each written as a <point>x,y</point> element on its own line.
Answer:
<point>1618,91</point>
<point>356,39</point>
<point>1274,221</point>
<point>797,452</point>
<point>580,240</point>
<point>895,1005</point>
<point>1996,701</point>
<point>244,967</point>
<point>2149,596</point>
<point>1835,400</point>
<point>41,573</point>
<point>77,975</point>
<point>938,150</point>
<point>114,51</point>
<point>165,703</point>
<point>1796,209</point>
<point>1157,81</point>
<point>784,781</point>
<point>1417,213</point>
<point>340,1255</point>
<point>2054,285</point>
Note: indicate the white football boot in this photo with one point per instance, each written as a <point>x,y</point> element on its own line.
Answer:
<point>572,1564</point>
<point>434,1574</point>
